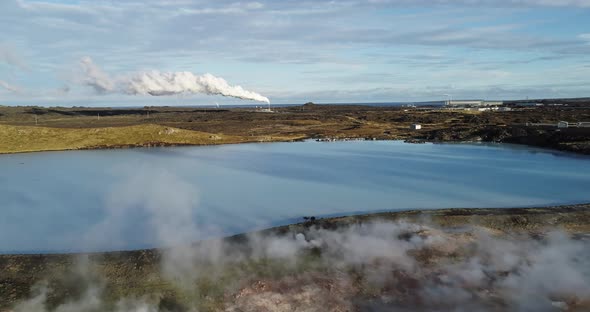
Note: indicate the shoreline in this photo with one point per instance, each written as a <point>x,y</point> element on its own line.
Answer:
<point>232,272</point>
<point>171,145</point>
<point>339,220</point>
<point>27,129</point>
<point>190,138</point>
<point>152,145</point>
<point>270,139</point>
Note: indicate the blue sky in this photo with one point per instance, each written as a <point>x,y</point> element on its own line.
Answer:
<point>298,51</point>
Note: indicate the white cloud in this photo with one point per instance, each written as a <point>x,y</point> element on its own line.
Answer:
<point>95,77</point>
<point>493,3</point>
<point>268,44</point>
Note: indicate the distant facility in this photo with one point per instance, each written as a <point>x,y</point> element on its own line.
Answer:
<point>529,104</point>
<point>472,103</point>
<point>561,124</point>
<point>565,124</point>
<point>416,127</point>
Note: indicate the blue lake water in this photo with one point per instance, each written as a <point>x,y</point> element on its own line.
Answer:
<point>137,198</point>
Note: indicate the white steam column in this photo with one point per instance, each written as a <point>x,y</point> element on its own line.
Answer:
<point>156,83</point>
<point>449,99</point>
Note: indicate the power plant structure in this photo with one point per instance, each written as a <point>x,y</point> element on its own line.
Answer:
<point>472,103</point>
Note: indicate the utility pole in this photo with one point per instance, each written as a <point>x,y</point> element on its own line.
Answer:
<point>36,119</point>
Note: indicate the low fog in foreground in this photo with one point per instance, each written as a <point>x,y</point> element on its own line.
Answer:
<point>369,266</point>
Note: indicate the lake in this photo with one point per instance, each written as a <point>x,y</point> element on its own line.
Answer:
<point>137,198</point>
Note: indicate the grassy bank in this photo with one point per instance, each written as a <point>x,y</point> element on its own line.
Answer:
<point>27,129</point>
<point>15,139</point>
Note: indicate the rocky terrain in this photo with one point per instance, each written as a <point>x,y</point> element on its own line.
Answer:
<point>533,259</point>
<point>37,129</point>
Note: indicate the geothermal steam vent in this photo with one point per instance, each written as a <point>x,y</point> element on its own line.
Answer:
<point>157,83</point>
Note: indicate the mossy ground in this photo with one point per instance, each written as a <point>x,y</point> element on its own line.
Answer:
<point>32,139</point>
<point>27,129</point>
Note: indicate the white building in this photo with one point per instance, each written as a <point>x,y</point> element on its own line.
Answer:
<point>529,104</point>
<point>562,124</point>
<point>416,127</point>
<point>464,103</point>
<point>472,103</point>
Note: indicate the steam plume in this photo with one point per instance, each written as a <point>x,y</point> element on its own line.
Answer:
<point>96,77</point>
<point>9,87</point>
<point>367,266</point>
<point>157,83</point>
<point>11,57</point>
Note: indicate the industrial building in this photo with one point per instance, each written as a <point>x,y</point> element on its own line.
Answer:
<point>529,104</point>
<point>565,124</point>
<point>472,103</point>
<point>561,124</point>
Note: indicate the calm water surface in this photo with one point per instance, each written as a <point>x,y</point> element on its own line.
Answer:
<point>136,198</point>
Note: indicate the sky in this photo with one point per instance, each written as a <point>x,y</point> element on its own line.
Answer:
<point>295,51</point>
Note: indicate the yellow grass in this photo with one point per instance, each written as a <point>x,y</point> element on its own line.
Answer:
<point>15,139</point>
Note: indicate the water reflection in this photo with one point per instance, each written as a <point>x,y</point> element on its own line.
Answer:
<point>60,201</point>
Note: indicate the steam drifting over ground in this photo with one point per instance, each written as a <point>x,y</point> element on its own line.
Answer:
<point>157,83</point>
<point>374,265</point>
<point>381,266</point>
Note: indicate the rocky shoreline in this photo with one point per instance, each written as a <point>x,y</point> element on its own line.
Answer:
<point>25,129</point>
<point>567,140</point>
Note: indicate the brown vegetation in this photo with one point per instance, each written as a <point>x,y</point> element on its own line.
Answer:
<point>35,128</point>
